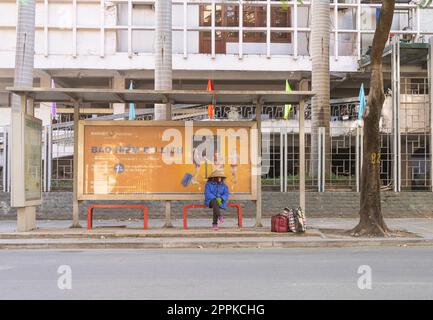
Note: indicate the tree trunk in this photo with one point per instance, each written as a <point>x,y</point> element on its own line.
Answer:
<point>163,55</point>
<point>25,48</point>
<point>320,108</point>
<point>371,219</point>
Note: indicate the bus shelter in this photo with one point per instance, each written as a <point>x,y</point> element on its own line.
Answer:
<point>26,191</point>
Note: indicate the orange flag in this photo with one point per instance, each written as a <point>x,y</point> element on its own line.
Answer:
<point>210,88</point>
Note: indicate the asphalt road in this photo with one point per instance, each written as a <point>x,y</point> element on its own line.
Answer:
<point>396,273</point>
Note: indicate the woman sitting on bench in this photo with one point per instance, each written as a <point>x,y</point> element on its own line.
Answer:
<point>216,196</point>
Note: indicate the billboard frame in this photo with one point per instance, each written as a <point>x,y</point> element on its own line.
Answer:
<point>81,196</point>
<point>18,191</point>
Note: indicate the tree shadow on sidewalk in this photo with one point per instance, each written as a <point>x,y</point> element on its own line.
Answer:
<point>343,233</point>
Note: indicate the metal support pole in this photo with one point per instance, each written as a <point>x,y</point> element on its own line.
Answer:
<point>258,164</point>
<point>286,160</point>
<point>398,118</point>
<point>213,32</point>
<point>359,154</point>
<point>6,160</point>
<point>9,162</point>
<point>45,157</point>
<point>394,107</point>
<point>302,155</point>
<point>49,157</point>
<point>75,202</point>
<point>322,157</point>
<point>282,173</point>
<point>168,223</point>
<point>395,79</point>
<point>430,79</point>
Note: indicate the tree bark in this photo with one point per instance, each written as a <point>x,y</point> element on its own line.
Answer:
<point>25,49</point>
<point>371,221</point>
<point>320,83</point>
<point>163,55</point>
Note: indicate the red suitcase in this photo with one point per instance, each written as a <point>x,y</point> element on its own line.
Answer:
<point>280,223</point>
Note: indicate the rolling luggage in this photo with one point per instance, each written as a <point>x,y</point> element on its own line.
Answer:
<point>279,223</point>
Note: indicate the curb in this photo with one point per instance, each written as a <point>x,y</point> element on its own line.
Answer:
<point>162,244</point>
<point>174,234</point>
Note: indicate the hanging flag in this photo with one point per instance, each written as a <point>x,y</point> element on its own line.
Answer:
<point>362,102</point>
<point>377,16</point>
<point>287,107</point>
<point>210,110</point>
<point>53,104</point>
<point>131,105</point>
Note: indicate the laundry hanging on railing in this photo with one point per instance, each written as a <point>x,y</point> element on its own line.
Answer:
<point>287,107</point>
<point>131,105</point>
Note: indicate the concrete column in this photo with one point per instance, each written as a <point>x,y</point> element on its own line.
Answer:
<point>26,219</point>
<point>118,83</point>
<point>168,223</point>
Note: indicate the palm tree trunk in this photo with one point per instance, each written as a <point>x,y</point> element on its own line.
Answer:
<point>320,108</point>
<point>371,219</point>
<point>25,48</point>
<point>24,64</point>
<point>163,55</point>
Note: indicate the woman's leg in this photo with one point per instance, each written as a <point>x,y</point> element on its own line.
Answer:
<point>216,210</point>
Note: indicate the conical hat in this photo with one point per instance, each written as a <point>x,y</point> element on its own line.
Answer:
<point>217,174</point>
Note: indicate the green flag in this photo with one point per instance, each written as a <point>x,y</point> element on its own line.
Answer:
<point>287,107</point>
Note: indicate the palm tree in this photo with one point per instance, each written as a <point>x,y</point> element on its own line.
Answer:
<point>320,110</point>
<point>25,47</point>
<point>24,63</point>
<point>163,68</point>
<point>163,54</point>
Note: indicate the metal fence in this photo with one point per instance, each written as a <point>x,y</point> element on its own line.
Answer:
<point>335,167</point>
<point>4,159</point>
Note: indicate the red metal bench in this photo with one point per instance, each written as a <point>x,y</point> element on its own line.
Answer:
<point>190,206</point>
<point>114,206</point>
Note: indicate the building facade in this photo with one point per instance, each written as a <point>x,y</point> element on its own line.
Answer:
<point>239,44</point>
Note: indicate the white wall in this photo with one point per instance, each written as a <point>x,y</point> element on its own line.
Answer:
<point>60,39</point>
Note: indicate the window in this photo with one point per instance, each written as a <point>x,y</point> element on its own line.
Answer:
<point>253,17</point>
<point>281,18</point>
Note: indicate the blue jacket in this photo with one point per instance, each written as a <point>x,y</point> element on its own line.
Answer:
<point>214,190</point>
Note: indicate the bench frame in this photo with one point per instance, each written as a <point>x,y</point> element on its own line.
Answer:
<point>196,205</point>
<point>115,206</point>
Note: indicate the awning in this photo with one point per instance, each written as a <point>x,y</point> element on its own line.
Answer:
<point>68,95</point>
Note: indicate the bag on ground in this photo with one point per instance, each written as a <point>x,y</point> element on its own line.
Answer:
<point>291,218</point>
<point>300,221</point>
<point>279,223</point>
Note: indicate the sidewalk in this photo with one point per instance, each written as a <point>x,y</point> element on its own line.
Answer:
<point>322,232</point>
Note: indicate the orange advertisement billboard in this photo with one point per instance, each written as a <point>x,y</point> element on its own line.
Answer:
<point>171,160</point>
